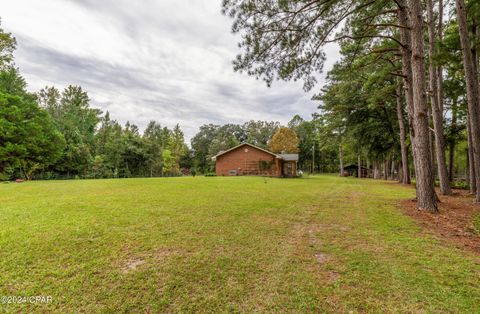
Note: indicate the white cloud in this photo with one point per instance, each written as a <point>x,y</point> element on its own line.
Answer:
<point>166,60</point>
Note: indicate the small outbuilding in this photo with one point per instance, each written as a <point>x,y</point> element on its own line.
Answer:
<point>352,170</point>
<point>247,159</point>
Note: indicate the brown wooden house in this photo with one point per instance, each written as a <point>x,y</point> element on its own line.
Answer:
<point>248,159</point>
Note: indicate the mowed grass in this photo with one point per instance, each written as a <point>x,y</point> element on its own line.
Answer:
<point>240,244</point>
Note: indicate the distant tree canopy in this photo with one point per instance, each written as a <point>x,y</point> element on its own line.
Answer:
<point>285,140</point>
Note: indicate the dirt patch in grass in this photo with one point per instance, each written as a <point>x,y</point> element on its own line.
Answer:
<point>132,265</point>
<point>164,253</point>
<point>454,223</point>
<point>322,258</point>
<point>159,255</point>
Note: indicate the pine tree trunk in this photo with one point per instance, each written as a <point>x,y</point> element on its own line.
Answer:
<point>426,197</point>
<point>406,54</point>
<point>471,79</point>
<point>341,160</point>
<point>375,170</point>
<point>403,146</point>
<point>437,114</point>
<point>400,173</point>
<point>439,68</point>
<point>368,175</point>
<point>451,157</point>
<point>451,161</point>
<point>471,168</point>
<point>385,171</point>
<point>392,169</point>
<point>359,167</point>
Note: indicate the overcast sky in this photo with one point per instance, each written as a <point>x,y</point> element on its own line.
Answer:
<point>163,60</point>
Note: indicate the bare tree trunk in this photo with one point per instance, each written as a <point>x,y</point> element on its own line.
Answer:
<point>439,68</point>
<point>451,161</point>
<point>359,171</point>
<point>431,139</point>
<point>467,169</point>
<point>451,146</point>
<point>341,160</point>
<point>426,197</point>
<point>471,79</point>
<point>471,168</point>
<point>392,169</point>
<point>437,114</point>
<point>407,74</point>
<point>385,167</point>
<point>403,146</point>
<point>400,174</point>
<point>376,173</point>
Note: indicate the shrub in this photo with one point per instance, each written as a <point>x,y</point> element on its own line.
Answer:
<point>7,174</point>
<point>210,174</point>
<point>4,177</point>
<point>460,185</point>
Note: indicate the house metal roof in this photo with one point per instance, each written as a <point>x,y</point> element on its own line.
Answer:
<point>289,157</point>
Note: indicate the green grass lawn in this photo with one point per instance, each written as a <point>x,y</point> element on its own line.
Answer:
<point>241,244</point>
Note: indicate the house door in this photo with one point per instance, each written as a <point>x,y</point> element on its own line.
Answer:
<point>288,169</point>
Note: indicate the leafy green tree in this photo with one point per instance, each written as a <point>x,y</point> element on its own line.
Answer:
<point>201,147</point>
<point>187,161</point>
<point>29,140</point>
<point>11,82</point>
<point>259,133</point>
<point>134,155</point>
<point>168,161</point>
<point>156,140</point>
<point>109,148</point>
<point>8,45</point>
<point>49,98</point>
<point>77,122</point>
<point>177,147</point>
<point>226,137</point>
<point>283,39</point>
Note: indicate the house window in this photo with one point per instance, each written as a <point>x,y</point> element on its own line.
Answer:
<point>232,172</point>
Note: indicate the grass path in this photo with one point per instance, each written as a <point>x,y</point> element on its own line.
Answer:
<point>321,244</point>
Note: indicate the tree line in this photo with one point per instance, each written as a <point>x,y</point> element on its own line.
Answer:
<point>59,136</point>
<point>54,134</point>
<point>406,90</point>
